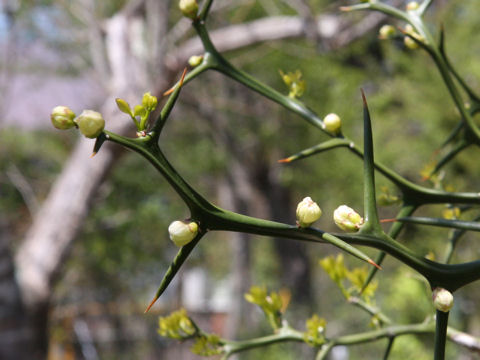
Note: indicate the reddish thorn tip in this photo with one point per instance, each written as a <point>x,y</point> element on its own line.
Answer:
<point>387,220</point>
<point>183,76</point>
<point>169,91</point>
<point>150,305</point>
<point>93,154</point>
<point>180,83</point>
<point>364,99</point>
<point>371,262</point>
<point>286,160</point>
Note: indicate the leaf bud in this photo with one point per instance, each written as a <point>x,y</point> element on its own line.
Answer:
<point>182,232</point>
<point>308,212</point>
<point>62,117</point>
<point>347,219</point>
<point>123,106</point>
<point>442,299</point>
<point>189,8</point>
<point>139,110</point>
<point>412,5</point>
<point>332,123</point>
<point>386,32</point>
<point>90,123</point>
<point>195,60</point>
<point>149,101</point>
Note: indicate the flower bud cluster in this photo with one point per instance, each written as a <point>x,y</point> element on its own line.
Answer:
<point>296,85</point>
<point>89,122</point>
<point>140,113</point>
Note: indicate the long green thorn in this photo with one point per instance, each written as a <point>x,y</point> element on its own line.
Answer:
<point>174,267</point>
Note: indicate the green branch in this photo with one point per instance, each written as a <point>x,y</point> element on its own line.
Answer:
<point>452,224</point>
<point>440,335</point>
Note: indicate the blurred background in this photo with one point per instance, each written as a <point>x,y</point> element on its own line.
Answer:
<point>84,242</point>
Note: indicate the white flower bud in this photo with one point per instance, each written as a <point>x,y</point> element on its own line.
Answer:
<point>332,123</point>
<point>90,123</point>
<point>412,5</point>
<point>442,299</point>
<point>308,212</point>
<point>189,8</point>
<point>182,232</point>
<point>347,219</point>
<point>62,117</point>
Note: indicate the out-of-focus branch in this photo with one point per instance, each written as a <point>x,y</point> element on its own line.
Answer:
<point>24,188</point>
<point>328,28</point>
<point>86,12</point>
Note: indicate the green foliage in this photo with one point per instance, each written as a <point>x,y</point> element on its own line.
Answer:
<point>271,304</point>
<point>338,272</point>
<point>207,345</point>
<point>295,84</point>
<point>314,335</point>
<point>140,113</point>
<point>177,325</point>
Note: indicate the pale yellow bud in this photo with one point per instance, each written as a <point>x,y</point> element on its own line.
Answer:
<point>90,123</point>
<point>62,117</point>
<point>410,43</point>
<point>189,8</point>
<point>347,219</point>
<point>332,123</point>
<point>182,232</point>
<point>442,299</point>
<point>386,32</point>
<point>195,60</point>
<point>308,212</point>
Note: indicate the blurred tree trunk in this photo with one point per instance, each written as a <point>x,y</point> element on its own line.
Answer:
<point>27,279</point>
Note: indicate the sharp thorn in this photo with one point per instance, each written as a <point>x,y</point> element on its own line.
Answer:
<point>371,262</point>
<point>387,220</point>
<point>150,305</point>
